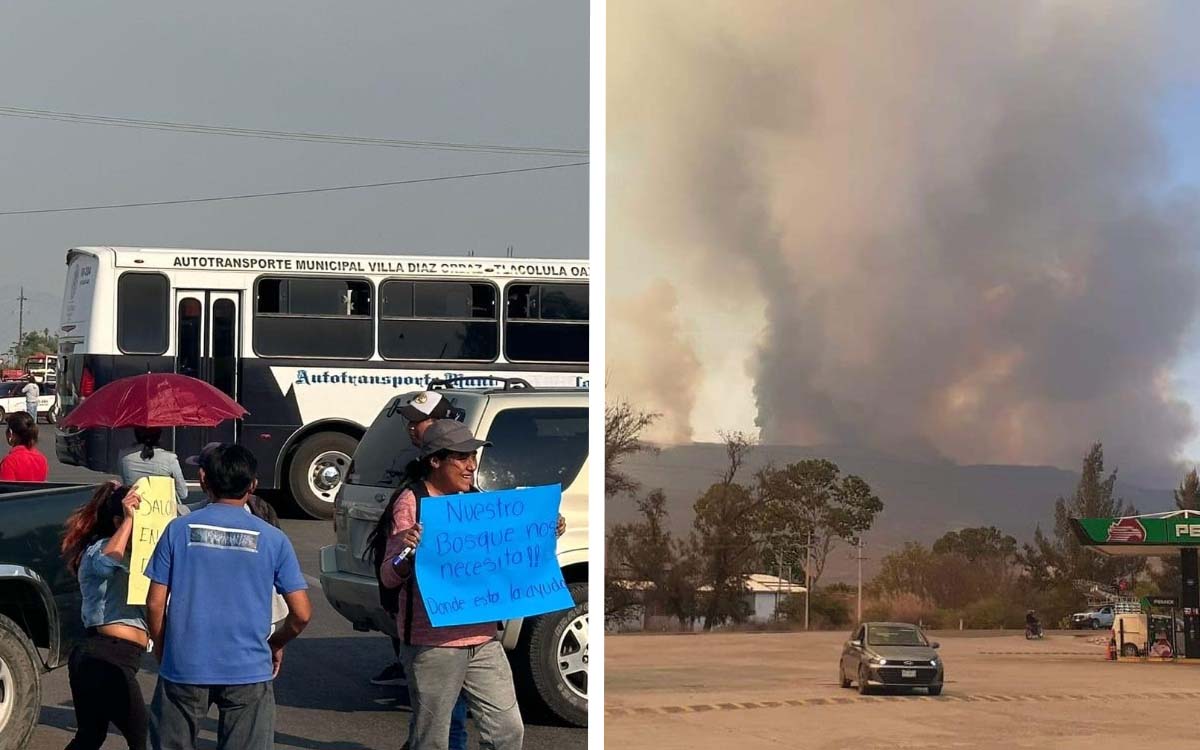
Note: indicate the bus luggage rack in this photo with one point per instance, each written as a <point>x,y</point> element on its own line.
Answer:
<point>509,384</point>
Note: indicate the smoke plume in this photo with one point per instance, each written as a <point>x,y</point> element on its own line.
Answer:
<point>656,367</point>
<point>954,217</point>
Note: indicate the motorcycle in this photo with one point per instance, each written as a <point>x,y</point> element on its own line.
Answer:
<point>1033,631</point>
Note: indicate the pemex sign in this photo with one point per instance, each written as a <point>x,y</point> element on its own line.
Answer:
<point>1125,535</point>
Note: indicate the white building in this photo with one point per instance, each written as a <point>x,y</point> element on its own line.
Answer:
<point>765,593</point>
<point>762,592</point>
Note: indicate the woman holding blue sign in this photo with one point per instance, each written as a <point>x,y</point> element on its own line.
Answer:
<point>443,662</point>
<point>420,409</point>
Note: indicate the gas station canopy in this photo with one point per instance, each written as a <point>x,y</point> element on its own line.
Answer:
<point>1156,535</point>
<point>1151,535</point>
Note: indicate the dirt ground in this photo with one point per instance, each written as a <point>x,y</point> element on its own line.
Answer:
<point>779,690</point>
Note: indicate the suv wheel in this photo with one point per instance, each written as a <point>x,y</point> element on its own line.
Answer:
<point>555,658</point>
<point>20,685</point>
<point>317,470</point>
<point>1095,624</point>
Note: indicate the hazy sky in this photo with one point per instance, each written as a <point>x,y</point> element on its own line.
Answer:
<point>511,73</point>
<point>965,230</point>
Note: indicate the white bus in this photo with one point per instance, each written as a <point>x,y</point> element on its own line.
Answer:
<point>313,346</point>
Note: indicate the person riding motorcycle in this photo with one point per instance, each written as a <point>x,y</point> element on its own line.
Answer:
<point>1032,625</point>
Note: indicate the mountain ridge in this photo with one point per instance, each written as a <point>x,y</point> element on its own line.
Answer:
<point>922,499</point>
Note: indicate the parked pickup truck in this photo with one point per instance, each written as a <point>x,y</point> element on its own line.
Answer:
<point>39,598</point>
<point>1099,617</point>
<point>11,400</point>
<point>540,438</point>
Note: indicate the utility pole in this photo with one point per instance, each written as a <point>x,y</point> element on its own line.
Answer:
<point>778,583</point>
<point>20,324</point>
<point>807,577</point>
<point>860,558</point>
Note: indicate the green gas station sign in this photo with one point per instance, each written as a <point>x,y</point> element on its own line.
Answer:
<point>1179,531</point>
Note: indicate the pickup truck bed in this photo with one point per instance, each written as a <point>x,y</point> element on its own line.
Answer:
<point>39,598</point>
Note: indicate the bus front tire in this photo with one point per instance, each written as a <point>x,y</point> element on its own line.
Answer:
<point>317,469</point>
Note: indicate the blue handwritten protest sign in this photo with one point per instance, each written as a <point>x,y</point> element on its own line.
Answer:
<point>488,556</point>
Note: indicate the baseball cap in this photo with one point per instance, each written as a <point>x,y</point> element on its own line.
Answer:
<point>422,405</point>
<point>198,460</point>
<point>449,435</point>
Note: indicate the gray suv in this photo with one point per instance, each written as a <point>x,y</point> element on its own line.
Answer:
<point>540,437</point>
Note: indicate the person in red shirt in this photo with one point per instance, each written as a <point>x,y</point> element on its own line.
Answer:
<point>24,463</point>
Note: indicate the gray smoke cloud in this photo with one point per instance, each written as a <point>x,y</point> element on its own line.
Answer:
<point>660,370</point>
<point>956,215</point>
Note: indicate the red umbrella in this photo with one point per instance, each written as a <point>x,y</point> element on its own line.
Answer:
<point>157,399</point>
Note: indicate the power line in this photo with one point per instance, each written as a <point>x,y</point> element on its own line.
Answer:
<point>289,192</point>
<point>282,135</point>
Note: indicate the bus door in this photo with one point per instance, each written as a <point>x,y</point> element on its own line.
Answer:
<point>207,347</point>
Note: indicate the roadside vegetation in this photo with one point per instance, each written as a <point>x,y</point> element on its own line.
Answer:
<point>789,519</point>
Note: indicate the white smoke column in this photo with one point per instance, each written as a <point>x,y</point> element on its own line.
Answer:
<point>954,214</point>
<point>654,365</point>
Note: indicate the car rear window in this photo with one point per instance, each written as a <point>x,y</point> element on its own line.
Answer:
<point>382,454</point>
<point>386,450</point>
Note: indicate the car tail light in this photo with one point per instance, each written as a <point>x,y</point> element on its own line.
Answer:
<point>87,383</point>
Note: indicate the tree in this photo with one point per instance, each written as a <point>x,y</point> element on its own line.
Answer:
<point>637,557</point>
<point>678,596</point>
<point>646,567</point>
<point>969,574</point>
<point>623,427</point>
<point>972,565</point>
<point>829,607</point>
<point>1060,560</point>
<point>811,500</point>
<point>978,543</point>
<point>905,571</point>
<point>1168,574</point>
<point>34,342</point>
<point>725,536</point>
<point>1187,497</point>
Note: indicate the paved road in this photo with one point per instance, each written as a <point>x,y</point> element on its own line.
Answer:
<point>323,695</point>
<point>767,691</point>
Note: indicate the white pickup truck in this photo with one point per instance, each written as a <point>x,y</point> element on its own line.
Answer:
<point>11,399</point>
<point>1095,618</point>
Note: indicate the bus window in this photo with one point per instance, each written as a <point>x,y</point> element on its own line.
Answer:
<point>452,320</point>
<point>187,355</point>
<point>224,345</point>
<point>142,313</point>
<point>564,302</point>
<point>546,323</point>
<point>313,317</point>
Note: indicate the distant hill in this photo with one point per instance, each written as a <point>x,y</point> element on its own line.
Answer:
<point>922,500</point>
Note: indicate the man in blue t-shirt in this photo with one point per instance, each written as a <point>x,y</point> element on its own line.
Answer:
<point>220,566</point>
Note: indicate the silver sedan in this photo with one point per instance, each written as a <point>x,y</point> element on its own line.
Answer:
<point>890,654</point>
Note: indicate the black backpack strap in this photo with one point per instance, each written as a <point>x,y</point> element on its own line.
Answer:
<point>419,492</point>
<point>389,598</point>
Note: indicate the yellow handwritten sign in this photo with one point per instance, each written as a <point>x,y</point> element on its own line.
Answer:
<point>156,511</point>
